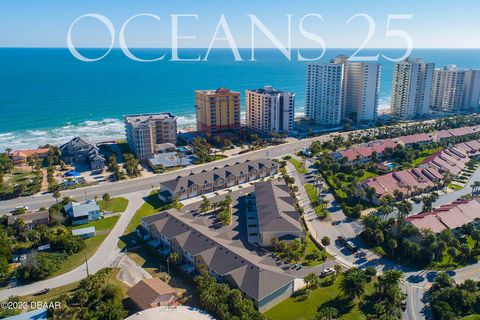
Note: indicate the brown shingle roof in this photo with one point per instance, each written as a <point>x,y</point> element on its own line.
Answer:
<point>145,292</point>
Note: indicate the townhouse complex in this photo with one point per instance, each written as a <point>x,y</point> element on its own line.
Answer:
<point>265,285</point>
<point>271,214</point>
<point>197,184</point>
<point>363,153</point>
<point>429,176</point>
<point>449,216</point>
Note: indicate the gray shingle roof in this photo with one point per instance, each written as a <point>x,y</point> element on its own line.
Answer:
<point>33,217</point>
<point>275,208</point>
<point>211,176</point>
<point>254,280</point>
<point>81,209</point>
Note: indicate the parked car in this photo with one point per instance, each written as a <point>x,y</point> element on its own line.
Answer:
<point>21,208</point>
<point>349,244</point>
<point>342,240</point>
<point>326,272</point>
<point>41,292</point>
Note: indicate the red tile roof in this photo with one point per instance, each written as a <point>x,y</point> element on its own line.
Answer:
<point>451,216</point>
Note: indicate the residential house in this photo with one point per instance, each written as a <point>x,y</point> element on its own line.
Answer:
<point>204,182</point>
<point>81,213</point>
<point>30,219</point>
<point>78,150</point>
<point>20,157</point>
<point>151,293</point>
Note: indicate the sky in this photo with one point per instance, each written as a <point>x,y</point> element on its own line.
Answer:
<point>434,23</point>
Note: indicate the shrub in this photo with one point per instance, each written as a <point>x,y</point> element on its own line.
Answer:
<point>40,265</point>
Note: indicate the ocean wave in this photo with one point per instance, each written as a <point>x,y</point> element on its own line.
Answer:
<point>94,131</point>
<point>185,121</point>
<point>91,130</point>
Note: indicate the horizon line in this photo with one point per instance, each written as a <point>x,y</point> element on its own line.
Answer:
<point>240,48</point>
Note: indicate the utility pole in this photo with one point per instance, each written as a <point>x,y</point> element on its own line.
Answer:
<point>85,196</point>
<point>86,263</point>
<point>168,266</point>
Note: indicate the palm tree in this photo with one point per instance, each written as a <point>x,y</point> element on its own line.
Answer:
<point>389,279</point>
<point>475,187</point>
<point>180,158</point>
<point>56,195</point>
<point>392,244</point>
<point>337,269</point>
<point>452,252</point>
<point>353,283</point>
<point>106,197</point>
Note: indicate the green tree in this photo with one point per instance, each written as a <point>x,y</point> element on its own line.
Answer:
<point>326,313</point>
<point>175,257</point>
<point>353,283</point>
<point>56,195</point>
<point>205,205</point>
<point>325,241</point>
<point>106,198</point>
<point>311,280</point>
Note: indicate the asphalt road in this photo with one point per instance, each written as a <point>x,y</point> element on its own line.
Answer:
<point>148,183</point>
<point>105,256</point>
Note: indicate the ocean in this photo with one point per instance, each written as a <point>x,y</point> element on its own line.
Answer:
<point>48,96</point>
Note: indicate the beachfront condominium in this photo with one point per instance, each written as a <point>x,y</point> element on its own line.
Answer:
<point>471,90</point>
<point>411,88</point>
<point>324,96</point>
<point>361,83</point>
<point>455,89</point>
<point>270,110</point>
<point>145,131</point>
<point>447,89</point>
<point>217,110</point>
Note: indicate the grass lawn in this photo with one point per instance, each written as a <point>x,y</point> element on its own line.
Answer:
<point>325,294</point>
<point>28,179</point>
<point>424,155</point>
<point>472,317</point>
<point>307,260</point>
<point>100,225</point>
<point>152,205</point>
<point>69,289</point>
<point>113,205</point>
<point>367,175</point>
<point>298,165</point>
<point>448,263</point>
<point>102,229</point>
<point>455,186</point>
<point>77,259</point>
<point>155,264</point>
<point>312,195</point>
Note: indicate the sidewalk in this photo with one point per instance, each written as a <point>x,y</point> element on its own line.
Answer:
<point>310,218</point>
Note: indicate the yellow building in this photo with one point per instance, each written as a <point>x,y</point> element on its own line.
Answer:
<point>217,110</point>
